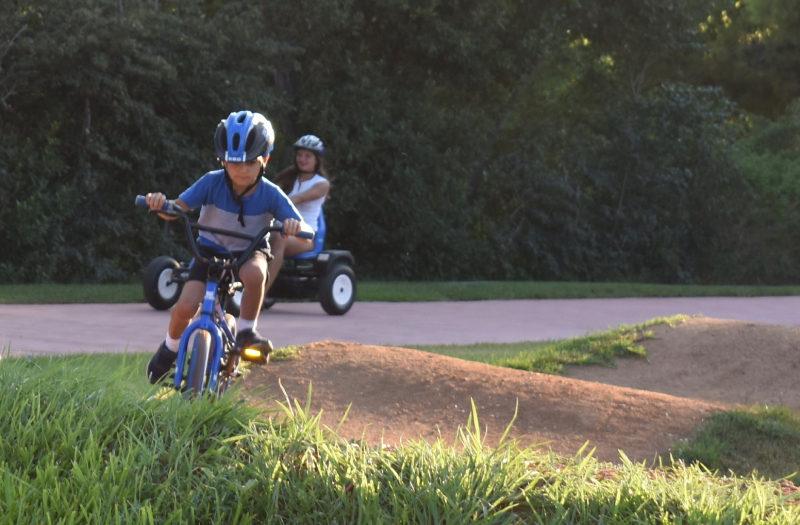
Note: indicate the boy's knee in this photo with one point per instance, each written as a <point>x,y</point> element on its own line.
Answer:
<point>255,275</point>
<point>184,308</point>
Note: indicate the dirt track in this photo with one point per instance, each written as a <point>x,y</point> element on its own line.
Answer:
<point>692,370</point>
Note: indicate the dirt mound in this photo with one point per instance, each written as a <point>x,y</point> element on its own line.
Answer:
<point>641,407</point>
<point>718,361</point>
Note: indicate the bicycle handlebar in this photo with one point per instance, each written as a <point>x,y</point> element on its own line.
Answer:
<point>169,208</point>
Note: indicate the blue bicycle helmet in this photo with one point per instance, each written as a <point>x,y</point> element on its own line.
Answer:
<point>310,142</point>
<point>243,136</point>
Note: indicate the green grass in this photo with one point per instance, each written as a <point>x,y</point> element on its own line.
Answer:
<point>81,442</point>
<point>410,291</point>
<point>763,438</point>
<point>481,290</point>
<point>70,293</point>
<point>550,356</point>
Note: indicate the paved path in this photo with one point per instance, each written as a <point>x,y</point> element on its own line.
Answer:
<point>58,329</point>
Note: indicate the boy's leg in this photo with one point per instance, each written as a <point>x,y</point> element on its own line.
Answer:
<point>180,317</point>
<point>253,274</point>
<point>186,308</point>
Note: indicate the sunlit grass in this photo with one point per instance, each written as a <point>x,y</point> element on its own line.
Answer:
<point>550,357</point>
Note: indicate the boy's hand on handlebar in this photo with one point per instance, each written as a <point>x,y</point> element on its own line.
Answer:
<point>295,227</point>
<point>291,227</point>
<point>156,201</point>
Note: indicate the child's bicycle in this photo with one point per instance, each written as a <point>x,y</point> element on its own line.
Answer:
<point>213,362</point>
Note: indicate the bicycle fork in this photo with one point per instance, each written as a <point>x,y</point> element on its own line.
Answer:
<point>206,323</point>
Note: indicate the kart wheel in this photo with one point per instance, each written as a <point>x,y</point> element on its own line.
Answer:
<point>160,291</point>
<point>198,363</point>
<point>233,305</point>
<point>337,290</point>
<point>269,302</point>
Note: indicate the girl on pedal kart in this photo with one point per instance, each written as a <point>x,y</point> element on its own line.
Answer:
<point>238,198</point>
<point>307,185</point>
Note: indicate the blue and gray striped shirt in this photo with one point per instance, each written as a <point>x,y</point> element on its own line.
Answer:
<point>219,210</point>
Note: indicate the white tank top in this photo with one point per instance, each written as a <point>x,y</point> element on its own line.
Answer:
<point>309,210</point>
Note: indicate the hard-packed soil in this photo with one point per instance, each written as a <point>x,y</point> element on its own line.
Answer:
<point>641,407</point>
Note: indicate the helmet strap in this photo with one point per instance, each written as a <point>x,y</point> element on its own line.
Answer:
<point>237,197</point>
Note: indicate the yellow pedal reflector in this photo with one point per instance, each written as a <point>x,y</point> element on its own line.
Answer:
<point>252,354</point>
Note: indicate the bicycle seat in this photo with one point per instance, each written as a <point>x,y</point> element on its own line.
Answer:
<point>319,240</point>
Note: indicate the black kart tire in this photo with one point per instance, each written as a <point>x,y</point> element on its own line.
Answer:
<point>198,364</point>
<point>269,302</point>
<point>157,292</point>
<point>337,290</point>
<point>233,304</point>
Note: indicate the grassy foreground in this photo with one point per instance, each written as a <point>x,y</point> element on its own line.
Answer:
<point>414,291</point>
<point>84,442</point>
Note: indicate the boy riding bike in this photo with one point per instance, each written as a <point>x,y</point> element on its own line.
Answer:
<point>237,198</point>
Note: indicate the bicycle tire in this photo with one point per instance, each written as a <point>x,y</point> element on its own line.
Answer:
<point>225,381</point>
<point>198,364</point>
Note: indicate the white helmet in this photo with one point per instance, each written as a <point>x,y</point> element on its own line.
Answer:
<point>310,142</point>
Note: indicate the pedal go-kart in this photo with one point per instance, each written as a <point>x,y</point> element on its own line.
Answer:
<point>327,274</point>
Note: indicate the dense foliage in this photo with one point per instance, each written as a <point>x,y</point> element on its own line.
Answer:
<point>469,139</point>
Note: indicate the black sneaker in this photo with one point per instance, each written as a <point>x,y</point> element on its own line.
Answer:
<point>160,363</point>
<point>249,338</point>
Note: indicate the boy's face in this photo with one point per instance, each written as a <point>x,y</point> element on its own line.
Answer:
<point>244,174</point>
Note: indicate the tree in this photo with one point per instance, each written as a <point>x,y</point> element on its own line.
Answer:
<point>120,106</point>
<point>753,53</point>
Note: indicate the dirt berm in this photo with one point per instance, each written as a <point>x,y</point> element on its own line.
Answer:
<point>642,407</point>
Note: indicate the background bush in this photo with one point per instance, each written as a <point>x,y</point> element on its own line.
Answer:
<point>478,139</point>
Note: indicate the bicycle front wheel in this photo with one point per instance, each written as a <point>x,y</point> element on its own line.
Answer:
<point>198,363</point>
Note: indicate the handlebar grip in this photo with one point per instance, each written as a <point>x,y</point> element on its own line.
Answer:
<point>305,235</point>
<point>168,206</point>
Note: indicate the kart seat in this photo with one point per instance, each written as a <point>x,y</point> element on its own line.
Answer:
<point>319,240</point>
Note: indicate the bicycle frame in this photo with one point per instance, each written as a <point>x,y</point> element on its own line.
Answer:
<point>212,316</point>
<point>212,325</point>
